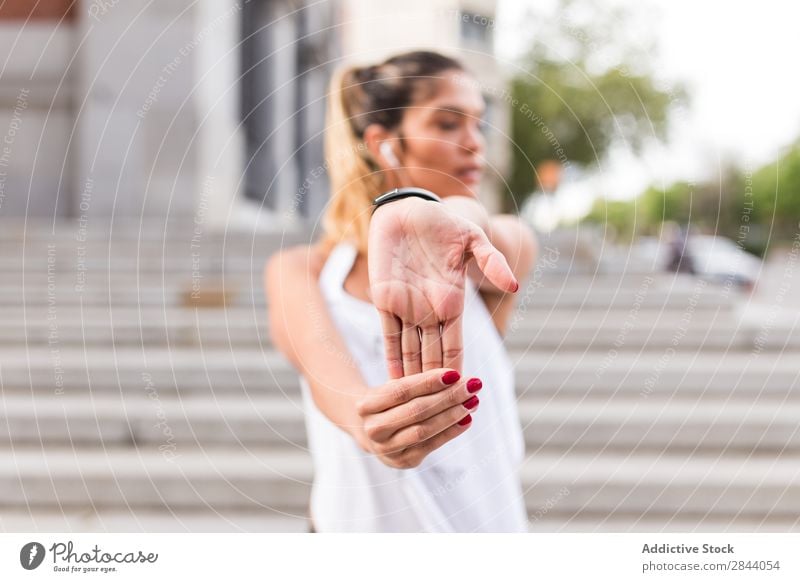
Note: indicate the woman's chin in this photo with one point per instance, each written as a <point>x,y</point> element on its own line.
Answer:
<point>460,189</point>
<point>470,191</point>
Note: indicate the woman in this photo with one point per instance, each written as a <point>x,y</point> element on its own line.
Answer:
<point>389,406</point>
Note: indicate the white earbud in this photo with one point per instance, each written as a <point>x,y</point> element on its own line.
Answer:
<point>386,152</point>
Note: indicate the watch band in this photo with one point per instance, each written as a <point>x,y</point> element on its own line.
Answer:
<point>399,193</point>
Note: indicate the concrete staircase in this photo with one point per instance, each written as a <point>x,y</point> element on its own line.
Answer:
<point>650,403</point>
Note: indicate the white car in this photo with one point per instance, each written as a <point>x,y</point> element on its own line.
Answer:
<point>720,259</point>
<point>714,258</point>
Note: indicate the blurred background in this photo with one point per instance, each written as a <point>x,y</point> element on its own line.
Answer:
<point>154,154</point>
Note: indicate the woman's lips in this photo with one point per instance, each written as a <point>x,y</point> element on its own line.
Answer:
<point>470,175</point>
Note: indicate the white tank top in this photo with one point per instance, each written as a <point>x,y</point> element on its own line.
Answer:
<point>470,484</point>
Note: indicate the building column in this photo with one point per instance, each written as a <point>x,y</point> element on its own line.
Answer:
<point>221,151</point>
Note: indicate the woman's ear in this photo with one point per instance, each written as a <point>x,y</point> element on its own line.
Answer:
<point>377,139</point>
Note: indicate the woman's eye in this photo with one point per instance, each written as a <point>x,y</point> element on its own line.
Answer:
<point>448,125</point>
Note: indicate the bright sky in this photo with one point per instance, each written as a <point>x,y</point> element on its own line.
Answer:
<point>739,61</point>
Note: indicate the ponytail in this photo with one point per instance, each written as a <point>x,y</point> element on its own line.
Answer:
<point>355,179</point>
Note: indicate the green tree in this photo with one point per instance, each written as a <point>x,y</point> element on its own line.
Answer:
<point>622,220</point>
<point>712,206</point>
<point>776,198</point>
<point>753,209</point>
<point>585,87</point>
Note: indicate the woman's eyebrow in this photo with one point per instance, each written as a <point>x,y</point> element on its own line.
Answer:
<point>461,111</point>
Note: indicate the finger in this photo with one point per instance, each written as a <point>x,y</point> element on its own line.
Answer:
<point>412,356</point>
<point>492,263</point>
<point>438,418</point>
<point>452,343</point>
<point>392,342</point>
<point>431,347</point>
<point>430,445</point>
<point>400,391</point>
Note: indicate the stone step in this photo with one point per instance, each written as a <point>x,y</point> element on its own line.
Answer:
<point>122,520</point>
<point>118,420</point>
<point>155,271</point>
<point>73,233</point>
<point>210,329</point>
<point>65,281</point>
<point>130,257</point>
<point>111,268</point>
<point>116,478</point>
<point>133,246</point>
<point>642,486</point>
<point>245,261</point>
<point>253,295</point>
<point>586,522</point>
<point>532,317</point>
<point>568,485</point>
<point>263,520</point>
<point>120,257</point>
<point>658,375</point>
<point>149,267</point>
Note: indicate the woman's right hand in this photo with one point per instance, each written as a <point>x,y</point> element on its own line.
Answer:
<point>407,418</point>
<point>419,253</point>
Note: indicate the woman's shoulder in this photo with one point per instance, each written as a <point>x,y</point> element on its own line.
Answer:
<point>297,263</point>
<point>298,260</point>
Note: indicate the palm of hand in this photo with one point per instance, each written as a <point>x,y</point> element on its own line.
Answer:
<point>418,278</point>
<point>418,255</point>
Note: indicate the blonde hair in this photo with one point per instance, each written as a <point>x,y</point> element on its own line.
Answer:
<point>358,97</point>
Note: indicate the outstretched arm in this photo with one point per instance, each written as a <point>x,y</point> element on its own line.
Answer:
<point>304,332</point>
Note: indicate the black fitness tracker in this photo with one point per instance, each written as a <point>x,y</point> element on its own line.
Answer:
<point>399,193</point>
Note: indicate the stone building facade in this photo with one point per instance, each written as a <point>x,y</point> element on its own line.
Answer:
<point>132,110</point>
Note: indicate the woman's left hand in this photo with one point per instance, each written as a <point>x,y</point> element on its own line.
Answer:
<point>417,259</point>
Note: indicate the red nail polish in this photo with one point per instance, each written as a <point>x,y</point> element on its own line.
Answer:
<point>516,286</point>
<point>471,402</point>
<point>474,384</point>
<point>450,377</point>
<point>466,420</point>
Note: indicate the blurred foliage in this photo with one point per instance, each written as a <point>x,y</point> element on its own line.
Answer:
<point>585,87</point>
<point>776,196</point>
<point>620,219</point>
<point>754,209</point>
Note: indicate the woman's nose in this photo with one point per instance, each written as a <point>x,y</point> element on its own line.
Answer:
<point>474,141</point>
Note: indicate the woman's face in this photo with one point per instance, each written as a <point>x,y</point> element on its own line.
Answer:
<point>443,145</point>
